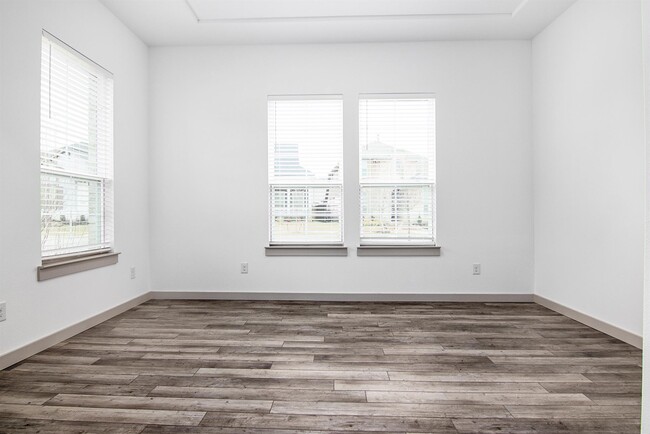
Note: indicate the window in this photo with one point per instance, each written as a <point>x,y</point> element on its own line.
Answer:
<point>76,152</point>
<point>305,169</point>
<point>397,169</point>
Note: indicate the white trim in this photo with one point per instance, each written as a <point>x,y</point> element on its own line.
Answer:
<point>350,17</point>
<point>73,175</point>
<point>341,296</point>
<point>14,356</point>
<point>397,242</point>
<point>307,97</point>
<point>588,320</point>
<point>76,255</point>
<point>519,8</point>
<point>78,54</point>
<point>394,95</point>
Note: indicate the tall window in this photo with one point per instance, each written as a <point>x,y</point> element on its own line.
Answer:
<point>305,169</point>
<point>76,152</point>
<point>397,169</point>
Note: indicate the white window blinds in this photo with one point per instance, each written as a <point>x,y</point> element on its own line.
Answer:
<point>397,168</point>
<point>305,151</point>
<point>76,152</point>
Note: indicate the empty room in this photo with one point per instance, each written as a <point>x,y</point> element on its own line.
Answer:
<point>324,216</point>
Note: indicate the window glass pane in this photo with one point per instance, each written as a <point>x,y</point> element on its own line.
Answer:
<point>397,140</point>
<point>71,214</point>
<point>305,148</point>
<point>397,212</point>
<point>397,168</point>
<point>305,140</point>
<point>76,151</point>
<point>311,214</point>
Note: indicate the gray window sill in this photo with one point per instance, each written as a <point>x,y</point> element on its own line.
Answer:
<point>397,250</point>
<point>52,268</point>
<point>324,250</point>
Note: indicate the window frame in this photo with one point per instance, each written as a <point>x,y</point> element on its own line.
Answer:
<point>67,260</point>
<point>304,247</point>
<point>416,246</point>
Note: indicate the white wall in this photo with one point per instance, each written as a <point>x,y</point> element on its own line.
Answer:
<point>645,395</point>
<point>589,161</point>
<point>39,309</point>
<point>209,165</point>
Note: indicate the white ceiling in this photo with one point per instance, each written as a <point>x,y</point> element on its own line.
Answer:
<point>207,22</point>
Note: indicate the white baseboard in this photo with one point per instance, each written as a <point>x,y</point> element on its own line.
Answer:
<point>340,296</point>
<point>15,356</point>
<point>605,327</point>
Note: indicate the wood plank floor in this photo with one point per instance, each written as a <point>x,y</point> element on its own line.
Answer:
<point>177,366</point>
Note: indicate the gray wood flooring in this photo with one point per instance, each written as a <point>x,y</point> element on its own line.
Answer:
<point>179,366</point>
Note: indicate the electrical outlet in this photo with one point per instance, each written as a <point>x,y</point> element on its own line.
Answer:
<point>476,269</point>
<point>244,268</point>
<point>132,272</point>
<point>3,310</point>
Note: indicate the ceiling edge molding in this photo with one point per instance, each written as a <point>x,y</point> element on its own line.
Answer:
<point>518,9</point>
<point>194,14</point>
<point>200,20</point>
<point>347,18</point>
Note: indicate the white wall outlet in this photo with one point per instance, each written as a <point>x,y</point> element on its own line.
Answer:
<point>132,272</point>
<point>476,269</point>
<point>244,268</point>
<point>3,310</point>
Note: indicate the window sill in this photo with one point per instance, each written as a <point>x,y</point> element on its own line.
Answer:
<point>322,250</point>
<point>52,268</point>
<point>398,250</point>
